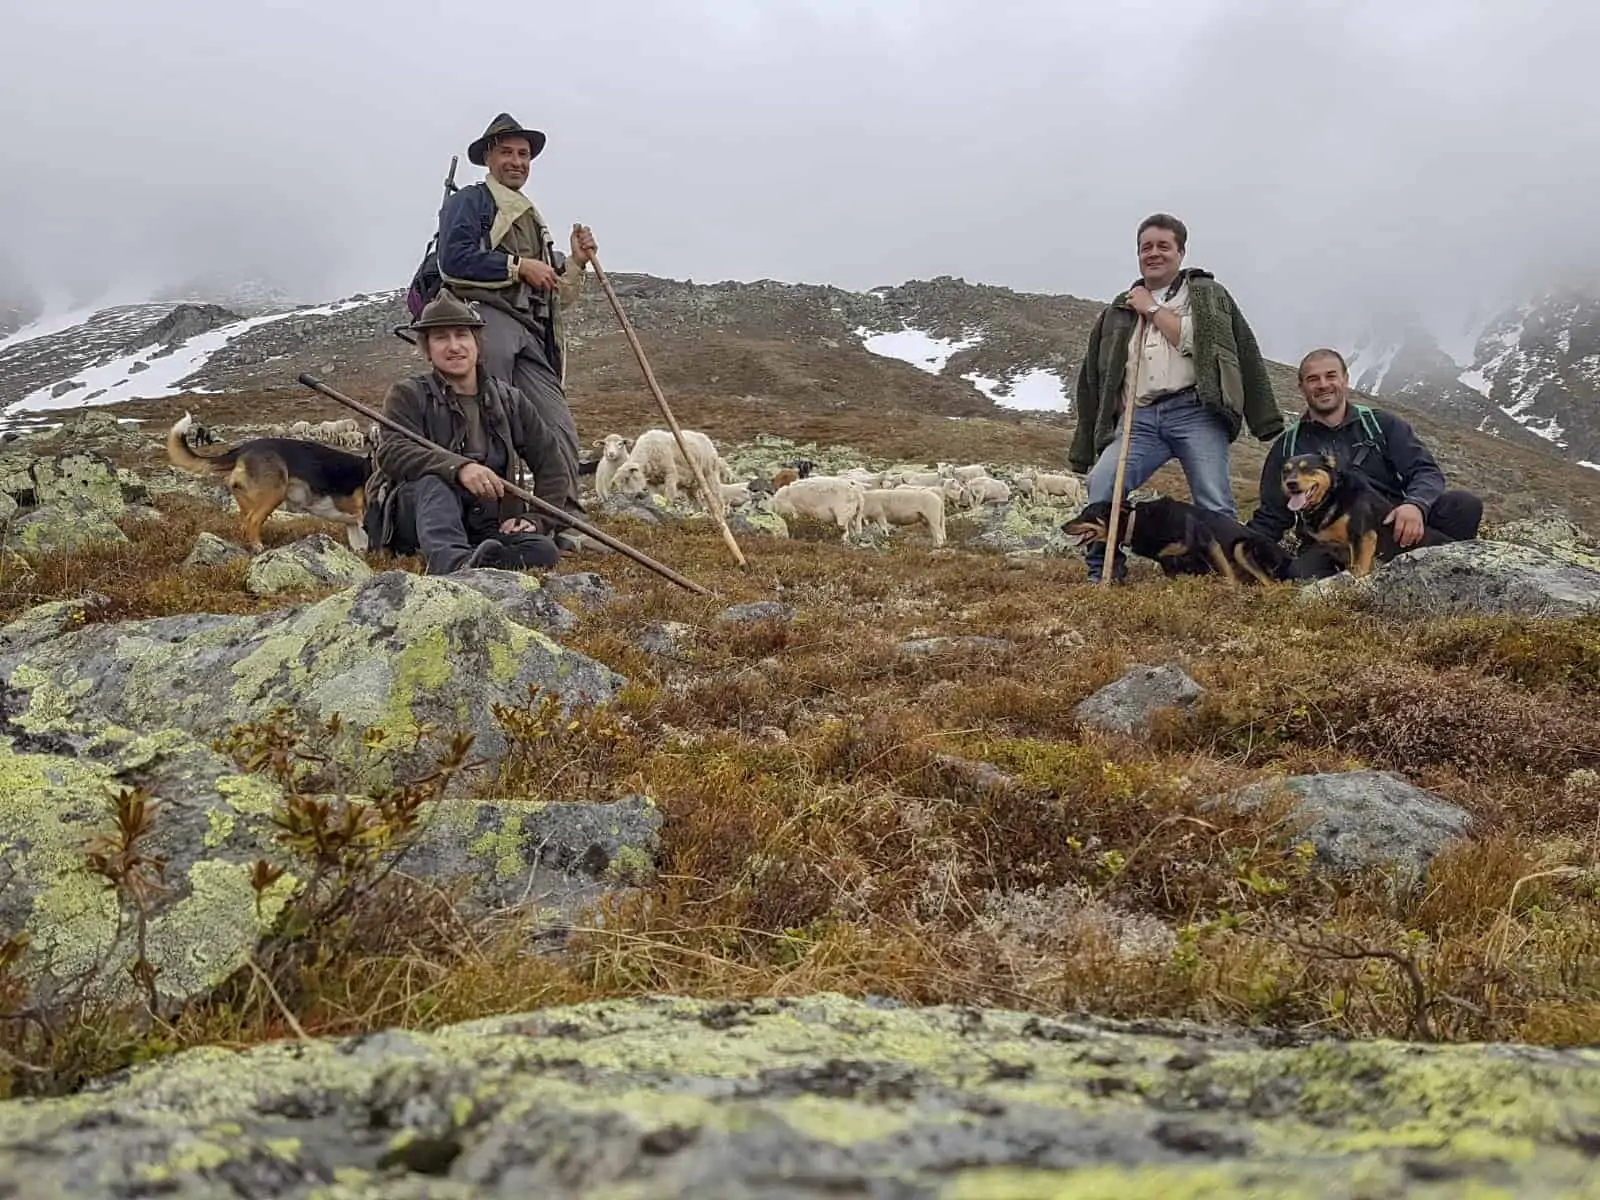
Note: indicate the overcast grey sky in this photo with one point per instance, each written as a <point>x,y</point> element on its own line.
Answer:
<point>1325,155</point>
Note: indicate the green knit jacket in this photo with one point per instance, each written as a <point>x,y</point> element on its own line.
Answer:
<point>1230,374</point>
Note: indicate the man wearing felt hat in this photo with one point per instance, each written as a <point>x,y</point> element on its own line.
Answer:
<point>448,502</point>
<point>496,251</point>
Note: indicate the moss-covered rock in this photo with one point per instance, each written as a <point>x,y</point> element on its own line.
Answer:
<point>310,564</point>
<point>62,526</point>
<point>398,652</point>
<point>211,551</point>
<point>823,1095</point>
<point>1482,578</point>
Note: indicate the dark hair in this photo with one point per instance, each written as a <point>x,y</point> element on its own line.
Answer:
<point>1164,221</point>
<point>1322,352</point>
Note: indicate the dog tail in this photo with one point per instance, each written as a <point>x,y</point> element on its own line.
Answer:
<point>185,459</point>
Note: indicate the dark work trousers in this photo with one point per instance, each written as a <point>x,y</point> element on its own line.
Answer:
<point>1455,515</point>
<point>512,354</point>
<point>444,521</point>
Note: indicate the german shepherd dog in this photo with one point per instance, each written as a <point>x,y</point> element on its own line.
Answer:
<point>1185,540</point>
<point>266,473</point>
<point>1343,513</point>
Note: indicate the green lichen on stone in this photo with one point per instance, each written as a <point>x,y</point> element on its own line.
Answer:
<point>630,865</point>
<point>207,935</point>
<point>863,1098</point>
<point>219,828</point>
<point>502,848</point>
<point>249,794</point>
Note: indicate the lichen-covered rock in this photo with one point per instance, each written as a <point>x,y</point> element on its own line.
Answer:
<point>87,479</point>
<point>1483,578</point>
<point>818,1096</point>
<point>8,509</point>
<point>754,611</point>
<point>1363,819</point>
<point>1553,533</point>
<point>1021,527</point>
<point>556,856</point>
<point>396,652</point>
<point>211,551</point>
<point>522,597</point>
<point>1129,704</point>
<point>584,588</point>
<point>667,639</point>
<point>54,791</point>
<point>63,526</point>
<point>309,564</point>
<point>45,621</point>
<point>753,520</point>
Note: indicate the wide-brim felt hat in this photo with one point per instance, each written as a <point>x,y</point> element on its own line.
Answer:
<point>447,311</point>
<point>503,124</point>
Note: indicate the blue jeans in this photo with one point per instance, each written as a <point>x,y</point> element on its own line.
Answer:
<point>1178,427</point>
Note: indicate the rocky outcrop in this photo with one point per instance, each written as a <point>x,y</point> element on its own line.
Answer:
<point>211,551</point>
<point>1129,705</point>
<point>181,324</point>
<point>397,652</point>
<point>823,1095</point>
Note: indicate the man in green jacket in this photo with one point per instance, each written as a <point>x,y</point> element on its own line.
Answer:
<point>1177,341</point>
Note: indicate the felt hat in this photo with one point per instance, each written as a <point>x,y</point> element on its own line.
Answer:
<point>503,124</point>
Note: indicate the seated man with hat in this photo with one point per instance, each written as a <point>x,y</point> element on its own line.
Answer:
<point>451,504</point>
<point>495,251</point>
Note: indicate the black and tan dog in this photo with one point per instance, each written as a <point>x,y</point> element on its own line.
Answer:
<point>1185,540</point>
<point>1343,513</point>
<point>265,474</point>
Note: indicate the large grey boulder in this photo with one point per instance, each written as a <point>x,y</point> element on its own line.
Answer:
<point>1129,705</point>
<point>821,1096</point>
<point>1363,819</point>
<point>310,564</point>
<point>397,653</point>
<point>1483,578</point>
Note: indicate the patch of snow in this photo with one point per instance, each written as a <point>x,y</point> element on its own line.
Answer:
<point>1370,379</point>
<point>1564,341</point>
<point>1034,391</point>
<point>1583,462</point>
<point>913,346</point>
<point>48,326</point>
<point>1477,381</point>
<point>118,380</point>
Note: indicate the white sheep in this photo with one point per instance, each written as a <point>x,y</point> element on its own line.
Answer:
<point>822,499</point>
<point>870,479</point>
<point>984,490</point>
<point>1068,486</point>
<point>920,479</point>
<point>905,506</point>
<point>614,450</point>
<point>300,429</point>
<point>655,461</point>
<point>734,495</point>
<point>962,474</point>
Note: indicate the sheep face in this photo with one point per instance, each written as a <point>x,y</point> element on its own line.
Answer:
<point>630,480</point>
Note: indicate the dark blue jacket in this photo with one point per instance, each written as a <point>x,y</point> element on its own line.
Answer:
<point>464,224</point>
<point>1401,468</point>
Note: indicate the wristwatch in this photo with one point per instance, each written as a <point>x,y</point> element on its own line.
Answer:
<point>1152,310</point>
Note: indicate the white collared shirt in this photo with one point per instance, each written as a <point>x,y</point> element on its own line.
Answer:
<point>1156,367</point>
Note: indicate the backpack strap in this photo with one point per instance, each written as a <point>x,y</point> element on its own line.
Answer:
<point>1290,432</point>
<point>1369,422</point>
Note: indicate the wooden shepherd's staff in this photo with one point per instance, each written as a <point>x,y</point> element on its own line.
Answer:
<point>544,506</point>
<point>713,499</point>
<point>1109,569</point>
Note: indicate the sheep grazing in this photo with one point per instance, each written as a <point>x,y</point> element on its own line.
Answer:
<point>923,479</point>
<point>734,495</point>
<point>614,450</point>
<point>655,461</point>
<point>868,479</point>
<point>883,507</point>
<point>984,490</point>
<point>821,499</point>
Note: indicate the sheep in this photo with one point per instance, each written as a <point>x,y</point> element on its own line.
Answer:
<point>300,429</point>
<point>725,472</point>
<point>734,494</point>
<point>963,474</point>
<point>614,450</point>
<point>656,459</point>
<point>872,479</point>
<point>905,506</point>
<point>984,490</point>
<point>1068,486</point>
<point>925,479</point>
<point>821,499</point>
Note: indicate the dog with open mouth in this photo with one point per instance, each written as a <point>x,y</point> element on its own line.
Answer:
<point>1343,513</point>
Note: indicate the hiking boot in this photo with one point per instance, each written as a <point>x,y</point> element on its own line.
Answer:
<point>488,553</point>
